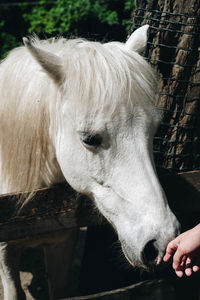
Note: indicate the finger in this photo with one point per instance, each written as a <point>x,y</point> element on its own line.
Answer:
<point>195,268</point>
<point>188,266</point>
<point>167,257</point>
<point>188,271</point>
<point>180,269</point>
<point>179,273</point>
<point>188,261</point>
<point>171,248</point>
<point>183,261</point>
<point>177,258</point>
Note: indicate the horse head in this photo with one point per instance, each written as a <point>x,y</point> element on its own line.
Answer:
<point>103,138</point>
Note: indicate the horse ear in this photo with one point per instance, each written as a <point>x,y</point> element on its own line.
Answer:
<point>138,40</point>
<point>50,62</point>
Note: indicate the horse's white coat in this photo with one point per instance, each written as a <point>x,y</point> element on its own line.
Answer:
<point>53,97</point>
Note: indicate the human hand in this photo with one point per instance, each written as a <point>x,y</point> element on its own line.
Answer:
<point>185,250</point>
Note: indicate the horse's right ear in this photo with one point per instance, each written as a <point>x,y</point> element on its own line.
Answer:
<point>138,40</point>
<point>50,62</point>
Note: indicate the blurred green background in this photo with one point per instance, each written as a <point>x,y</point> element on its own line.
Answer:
<point>100,20</point>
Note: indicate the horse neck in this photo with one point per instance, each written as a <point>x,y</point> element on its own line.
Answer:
<point>27,154</point>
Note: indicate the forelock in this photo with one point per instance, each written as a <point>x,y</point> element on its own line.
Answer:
<point>100,77</point>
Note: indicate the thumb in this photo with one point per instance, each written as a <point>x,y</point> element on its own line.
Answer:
<point>171,248</point>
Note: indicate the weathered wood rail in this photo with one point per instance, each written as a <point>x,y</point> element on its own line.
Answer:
<point>143,290</point>
<point>50,209</point>
<point>60,207</point>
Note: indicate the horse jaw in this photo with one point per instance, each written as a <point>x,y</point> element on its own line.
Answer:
<point>122,181</point>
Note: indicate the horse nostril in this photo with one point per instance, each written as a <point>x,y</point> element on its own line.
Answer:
<point>149,252</point>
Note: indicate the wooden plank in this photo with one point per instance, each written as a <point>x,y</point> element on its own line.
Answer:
<point>60,207</point>
<point>51,209</point>
<point>149,289</point>
<point>168,288</point>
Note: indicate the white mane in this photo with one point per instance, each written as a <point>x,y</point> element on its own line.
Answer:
<point>98,77</point>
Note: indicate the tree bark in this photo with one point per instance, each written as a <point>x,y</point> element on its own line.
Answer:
<point>174,50</point>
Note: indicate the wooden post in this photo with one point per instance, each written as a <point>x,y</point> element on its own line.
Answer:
<point>173,49</point>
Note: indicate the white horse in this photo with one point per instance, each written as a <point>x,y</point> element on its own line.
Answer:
<point>84,112</point>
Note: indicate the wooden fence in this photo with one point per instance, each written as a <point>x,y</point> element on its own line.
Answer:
<point>60,208</point>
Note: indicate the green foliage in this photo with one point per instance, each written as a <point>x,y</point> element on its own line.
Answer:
<point>11,28</point>
<point>75,16</point>
<point>9,42</point>
<point>96,19</point>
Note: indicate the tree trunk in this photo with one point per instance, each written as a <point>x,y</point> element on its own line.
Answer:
<point>174,50</point>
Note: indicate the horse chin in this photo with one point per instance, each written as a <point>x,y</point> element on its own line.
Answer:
<point>131,262</point>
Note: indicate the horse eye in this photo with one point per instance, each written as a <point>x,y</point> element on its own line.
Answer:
<point>93,140</point>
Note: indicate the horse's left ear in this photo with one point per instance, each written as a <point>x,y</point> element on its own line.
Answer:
<point>50,62</point>
<point>138,40</point>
